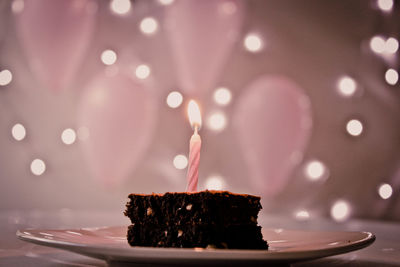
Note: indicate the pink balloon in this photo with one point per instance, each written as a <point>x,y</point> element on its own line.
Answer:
<point>273,123</point>
<point>120,116</point>
<point>55,35</point>
<point>202,35</point>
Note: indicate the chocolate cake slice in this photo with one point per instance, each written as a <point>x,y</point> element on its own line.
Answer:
<point>218,219</point>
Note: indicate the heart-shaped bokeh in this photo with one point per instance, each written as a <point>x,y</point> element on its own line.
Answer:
<point>55,36</point>
<point>273,123</point>
<point>120,115</point>
<point>202,35</point>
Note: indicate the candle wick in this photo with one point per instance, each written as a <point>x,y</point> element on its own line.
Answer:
<point>196,129</point>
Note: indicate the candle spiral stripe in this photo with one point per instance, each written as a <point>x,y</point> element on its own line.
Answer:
<point>194,162</point>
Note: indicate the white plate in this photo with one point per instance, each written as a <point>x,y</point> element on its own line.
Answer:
<point>110,244</point>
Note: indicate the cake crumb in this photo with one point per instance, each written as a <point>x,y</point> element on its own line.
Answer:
<point>149,211</point>
<point>180,233</point>
<point>189,207</point>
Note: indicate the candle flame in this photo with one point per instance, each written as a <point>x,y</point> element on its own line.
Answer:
<point>194,114</point>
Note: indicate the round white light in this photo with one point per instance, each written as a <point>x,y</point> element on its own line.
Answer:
<point>17,6</point>
<point>180,162</point>
<point>5,77</point>
<point>385,191</point>
<point>38,167</point>
<point>222,96</point>
<point>18,132</point>
<point>302,215</point>
<point>217,121</point>
<point>346,86</point>
<point>165,2</point>
<point>340,211</point>
<point>392,45</point>
<point>354,127</point>
<point>315,170</point>
<point>391,76</point>
<point>174,99</point>
<point>385,5</point>
<point>149,25</point>
<point>68,136</point>
<point>377,44</point>
<point>215,182</point>
<point>253,43</point>
<point>108,57</point>
<point>120,7</point>
<point>142,71</point>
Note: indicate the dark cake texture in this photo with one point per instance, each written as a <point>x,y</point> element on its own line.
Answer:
<point>219,219</point>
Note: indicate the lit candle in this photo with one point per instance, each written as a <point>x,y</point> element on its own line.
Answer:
<point>195,146</point>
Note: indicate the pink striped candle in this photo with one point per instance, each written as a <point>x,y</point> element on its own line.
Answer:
<point>194,148</point>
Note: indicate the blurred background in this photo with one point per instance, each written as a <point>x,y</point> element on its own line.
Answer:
<point>300,103</point>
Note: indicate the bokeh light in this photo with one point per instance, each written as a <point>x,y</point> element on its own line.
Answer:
<point>180,162</point>
<point>108,57</point>
<point>149,25</point>
<point>68,136</point>
<point>165,2</point>
<point>18,132</point>
<point>392,45</point>
<point>38,167</point>
<point>302,215</point>
<point>377,44</point>
<point>174,99</point>
<point>120,7</point>
<point>385,5</point>
<point>17,6</point>
<point>142,71</point>
<point>315,170</point>
<point>391,76</point>
<point>346,86</point>
<point>5,77</point>
<point>385,191</point>
<point>354,127</point>
<point>340,210</point>
<point>222,96</point>
<point>217,121</point>
<point>253,43</point>
<point>215,182</point>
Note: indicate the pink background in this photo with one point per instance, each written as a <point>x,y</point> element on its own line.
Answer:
<point>310,45</point>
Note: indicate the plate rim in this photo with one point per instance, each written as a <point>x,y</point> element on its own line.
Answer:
<point>141,254</point>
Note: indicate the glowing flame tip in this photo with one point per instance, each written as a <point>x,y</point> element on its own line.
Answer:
<point>194,114</point>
